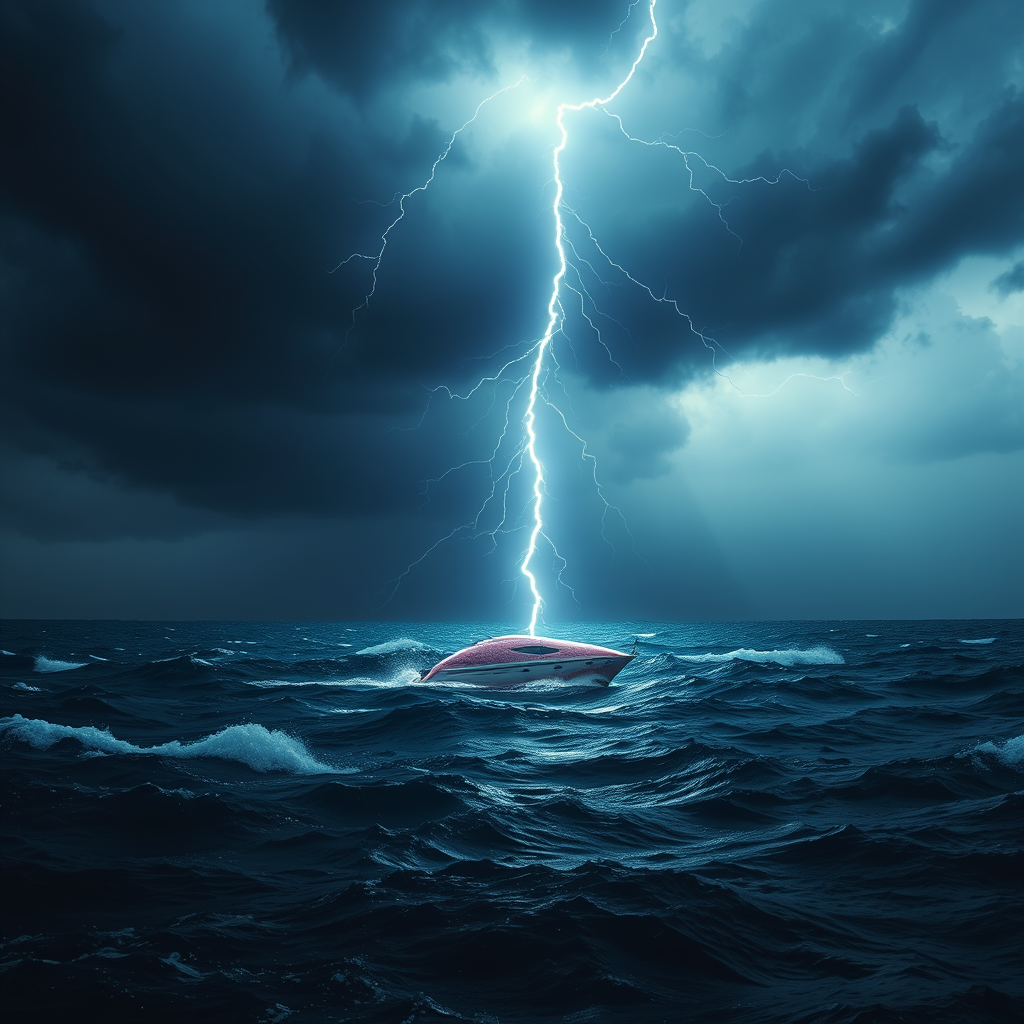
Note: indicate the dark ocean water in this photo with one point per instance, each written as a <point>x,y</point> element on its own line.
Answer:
<point>754,823</point>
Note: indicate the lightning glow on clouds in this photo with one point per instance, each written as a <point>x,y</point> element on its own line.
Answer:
<point>532,374</point>
<point>540,358</point>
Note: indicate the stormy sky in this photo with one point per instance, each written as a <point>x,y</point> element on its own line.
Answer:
<point>203,417</point>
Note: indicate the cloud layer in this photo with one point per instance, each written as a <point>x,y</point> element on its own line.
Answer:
<point>180,182</point>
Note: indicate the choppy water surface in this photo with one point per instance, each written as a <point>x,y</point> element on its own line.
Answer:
<point>755,822</point>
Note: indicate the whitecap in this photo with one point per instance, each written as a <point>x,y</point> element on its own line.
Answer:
<point>644,636</point>
<point>96,657</point>
<point>986,640</point>
<point>405,677</point>
<point>788,657</point>
<point>10,654</point>
<point>1011,752</point>
<point>25,687</point>
<point>44,664</point>
<point>394,646</point>
<point>260,748</point>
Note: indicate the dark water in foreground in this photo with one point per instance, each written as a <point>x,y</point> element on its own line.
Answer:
<point>755,822</point>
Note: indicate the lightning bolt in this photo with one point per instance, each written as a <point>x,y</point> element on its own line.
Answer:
<point>556,316</point>
<point>539,356</point>
<point>402,198</point>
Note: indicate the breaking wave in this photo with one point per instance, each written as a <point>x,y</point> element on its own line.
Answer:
<point>984,640</point>
<point>260,748</point>
<point>1011,752</point>
<point>789,657</point>
<point>395,646</point>
<point>44,664</point>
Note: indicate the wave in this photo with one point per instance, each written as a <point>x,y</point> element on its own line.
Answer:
<point>1010,752</point>
<point>986,640</point>
<point>395,646</point>
<point>788,657</point>
<point>403,678</point>
<point>44,664</point>
<point>401,805</point>
<point>25,687</point>
<point>260,748</point>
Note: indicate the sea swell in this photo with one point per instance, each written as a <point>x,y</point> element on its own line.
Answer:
<point>756,823</point>
<point>260,748</point>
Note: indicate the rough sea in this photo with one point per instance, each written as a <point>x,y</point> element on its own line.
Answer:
<point>756,822</point>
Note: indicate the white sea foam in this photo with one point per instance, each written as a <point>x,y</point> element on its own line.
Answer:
<point>644,636</point>
<point>986,640</point>
<point>404,677</point>
<point>265,684</point>
<point>394,646</point>
<point>1010,753</point>
<point>44,664</point>
<point>789,657</point>
<point>255,745</point>
<point>10,654</point>
<point>25,687</point>
<point>96,657</point>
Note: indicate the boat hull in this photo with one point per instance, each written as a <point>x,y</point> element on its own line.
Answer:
<point>514,660</point>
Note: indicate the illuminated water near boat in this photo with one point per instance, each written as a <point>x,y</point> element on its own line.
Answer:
<point>755,822</point>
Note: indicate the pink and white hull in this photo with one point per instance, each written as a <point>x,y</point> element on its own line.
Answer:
<point>505,660</point>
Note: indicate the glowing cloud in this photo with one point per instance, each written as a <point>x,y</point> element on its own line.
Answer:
<point>539,357</point>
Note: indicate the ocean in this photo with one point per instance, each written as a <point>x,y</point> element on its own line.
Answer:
<point>756,822</point>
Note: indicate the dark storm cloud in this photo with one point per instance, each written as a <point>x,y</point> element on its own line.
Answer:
<point>361,46</point>
<point>883,67</point>
<point>820,266</point>
<point>1012,281</point>
<point>368,46</point>
<point>169,318</point>
<point>175,191</point>
<point>641,442</point>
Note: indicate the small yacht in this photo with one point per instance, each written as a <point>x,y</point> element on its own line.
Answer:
<point>502,660</point>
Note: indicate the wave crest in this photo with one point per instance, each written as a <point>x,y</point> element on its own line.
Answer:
<point>403,643</point>
<point>1011,752</point>
<point>789,657</point>
<point>45,664</point>
<point>260,748</point>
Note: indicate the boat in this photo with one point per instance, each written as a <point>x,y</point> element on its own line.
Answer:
<point>505,660</point>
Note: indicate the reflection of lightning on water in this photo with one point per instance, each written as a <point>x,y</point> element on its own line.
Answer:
<point>514,451</point>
